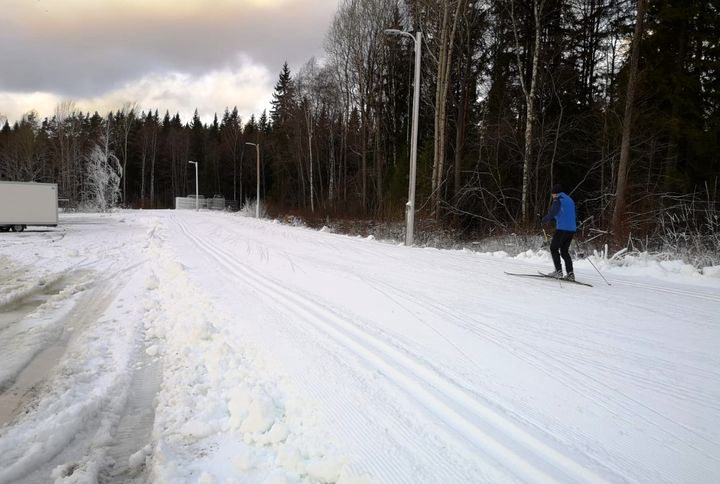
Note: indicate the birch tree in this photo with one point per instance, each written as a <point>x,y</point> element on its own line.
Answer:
<point>338,45</point>
<point>358,31</point>
<point>307,85</point>
<point>449,15</point>
<point>529,93</point>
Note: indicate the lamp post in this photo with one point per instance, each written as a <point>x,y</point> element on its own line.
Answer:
<point>197,194</point>
<point>410,206</point>
<point>257,202</point>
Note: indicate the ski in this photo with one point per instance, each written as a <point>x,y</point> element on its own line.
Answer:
<point>546,276</point>
<point>564,280</point>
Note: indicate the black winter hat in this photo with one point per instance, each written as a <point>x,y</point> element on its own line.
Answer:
<point>557,188</point>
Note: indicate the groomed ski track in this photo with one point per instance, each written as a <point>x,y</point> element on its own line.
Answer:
<point>468,418</point>
<point>487,434</point>
<point>210,347</point>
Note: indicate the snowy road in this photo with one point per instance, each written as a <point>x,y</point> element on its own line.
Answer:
<point>168,346</point>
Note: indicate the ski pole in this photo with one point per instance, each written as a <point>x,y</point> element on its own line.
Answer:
<point>598,271</point>
<point>543,229</point>
<point>547,242</point>
<point>594,266</point>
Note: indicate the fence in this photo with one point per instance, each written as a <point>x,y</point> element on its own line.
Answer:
<point>215,203</point>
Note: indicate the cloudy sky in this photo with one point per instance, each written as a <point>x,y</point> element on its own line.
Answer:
<point>162,54</point>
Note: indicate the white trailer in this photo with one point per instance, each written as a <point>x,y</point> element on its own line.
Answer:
<point>24,204</point>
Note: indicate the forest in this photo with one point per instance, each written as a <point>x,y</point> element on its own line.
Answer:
<point>618,101</point>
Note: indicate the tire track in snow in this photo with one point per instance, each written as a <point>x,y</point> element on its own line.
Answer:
<point>471,420</point>
<point>78,382</point>
<point>134,429</point>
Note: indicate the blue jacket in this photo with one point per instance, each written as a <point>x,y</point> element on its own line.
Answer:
<point>563,211</point>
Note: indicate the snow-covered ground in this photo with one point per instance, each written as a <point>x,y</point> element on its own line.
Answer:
<point>163,346</point>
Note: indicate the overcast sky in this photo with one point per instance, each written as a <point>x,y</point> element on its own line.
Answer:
<point>162,54</point>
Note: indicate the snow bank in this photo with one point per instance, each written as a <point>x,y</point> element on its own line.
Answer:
<point>219,412</point>
<point>633,264</point>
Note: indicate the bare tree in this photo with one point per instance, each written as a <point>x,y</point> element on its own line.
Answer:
<point>232,137</point>
<point>449,17</point>
<point>338,45</point>
<point>23,158</point>
<point>127,119</point>
<point>618,219</point>
<point>529,93</point>
<point>308,90</point>
<point>68,123</point>
<point>148,153</point>
<point>356,44</point>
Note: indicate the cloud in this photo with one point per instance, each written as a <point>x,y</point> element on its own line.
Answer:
<point>13,105</point>
<point>246,86</point>
<point>89,49</point>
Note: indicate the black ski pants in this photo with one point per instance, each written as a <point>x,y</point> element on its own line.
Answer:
<point>560,245</point>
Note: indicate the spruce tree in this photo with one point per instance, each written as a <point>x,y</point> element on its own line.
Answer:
<point>283,103</point>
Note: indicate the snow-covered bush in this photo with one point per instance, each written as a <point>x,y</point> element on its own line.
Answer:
<point>249,208</point>
<point>689,228</point>
<point>102,184</point>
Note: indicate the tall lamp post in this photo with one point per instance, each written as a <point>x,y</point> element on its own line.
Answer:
<point>197,194</point>
<point>257,202</point>
<point>410,206</point>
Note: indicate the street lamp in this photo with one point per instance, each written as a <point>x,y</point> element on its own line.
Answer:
<point>257,202</point>
<point>410,206</point>
<point>197,195</point>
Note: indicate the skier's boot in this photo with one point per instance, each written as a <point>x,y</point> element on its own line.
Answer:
<point>570,277</point>
<point>555,274</point>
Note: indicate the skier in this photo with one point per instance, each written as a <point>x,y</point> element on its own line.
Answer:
<point>563,211</point>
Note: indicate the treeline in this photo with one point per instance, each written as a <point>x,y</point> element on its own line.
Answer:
<point>619,101</point>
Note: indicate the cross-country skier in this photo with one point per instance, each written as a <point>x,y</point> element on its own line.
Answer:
<point>563,211</point>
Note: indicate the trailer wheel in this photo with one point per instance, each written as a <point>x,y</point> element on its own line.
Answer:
<point>18,228</point>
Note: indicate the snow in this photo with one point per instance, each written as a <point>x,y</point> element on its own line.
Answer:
<point>174,346</point>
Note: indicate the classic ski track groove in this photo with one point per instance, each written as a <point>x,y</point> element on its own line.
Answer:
<point>382,465</point>
<point>472,419</point>
<point>575,376</point>
<point>527,354</point>
<point>439,462</point>
<point>589,275</point>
